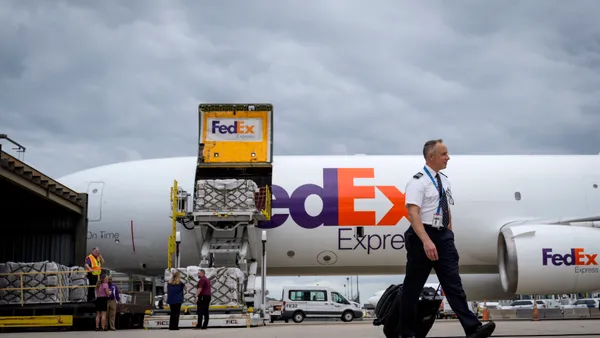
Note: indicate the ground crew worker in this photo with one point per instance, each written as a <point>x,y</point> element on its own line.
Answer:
<point>93,267</point>
<point>202,299</point>
<point>429,243</point>
<point>113,300</point>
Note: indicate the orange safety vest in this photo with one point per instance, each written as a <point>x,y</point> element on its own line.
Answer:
<point>96,268</point>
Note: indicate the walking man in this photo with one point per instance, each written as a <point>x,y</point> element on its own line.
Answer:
<point>203,296</point>
<point>430,244</point>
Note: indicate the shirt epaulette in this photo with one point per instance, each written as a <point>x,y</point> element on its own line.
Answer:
<point>441,173</point>
<point>418,175</point>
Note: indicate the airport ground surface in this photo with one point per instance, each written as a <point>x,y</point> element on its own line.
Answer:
<point>358,329</point>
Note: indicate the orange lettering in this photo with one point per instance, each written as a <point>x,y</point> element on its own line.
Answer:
<point>578,256</point>
<point>240,128</point>
<point>348,192</point>
<point>398,209</point>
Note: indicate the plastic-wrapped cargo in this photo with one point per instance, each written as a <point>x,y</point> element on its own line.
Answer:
<point>226,194</point>
<point>227,284</point>
<point>45,284</point>
<point>77,278</point>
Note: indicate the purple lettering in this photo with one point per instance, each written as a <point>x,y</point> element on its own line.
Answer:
<point>215,124</point>
<point>295,204</point>
<point>371,247</point>
<point>400,241</point>
<point>224,129</point>
<point>340,239</point>
<point>369,243</point>
<point>576,256</point>
<point>280,199</point>
<point>298,209</point>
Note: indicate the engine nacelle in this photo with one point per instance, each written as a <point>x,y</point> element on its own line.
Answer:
<point>549,259</point>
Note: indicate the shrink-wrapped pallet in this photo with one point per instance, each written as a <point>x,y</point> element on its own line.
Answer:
<point>226,194</point>
<point>77,277</point>
<point>38,287</point>
<point>227,284</point>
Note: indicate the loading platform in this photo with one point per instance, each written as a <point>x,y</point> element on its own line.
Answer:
<point>232,194</point>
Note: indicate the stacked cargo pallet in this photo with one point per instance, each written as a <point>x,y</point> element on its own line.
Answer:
<point>226,284</point>
<point>226,194</point>
<point>40,283</point>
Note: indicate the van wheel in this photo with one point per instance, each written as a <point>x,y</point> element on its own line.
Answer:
<point>347,316</point>
<point>298,317</point>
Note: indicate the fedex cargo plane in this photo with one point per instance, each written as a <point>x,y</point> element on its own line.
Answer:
<point>528,223</point>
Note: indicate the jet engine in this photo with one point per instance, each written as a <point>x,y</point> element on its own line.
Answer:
<point>549,259</point>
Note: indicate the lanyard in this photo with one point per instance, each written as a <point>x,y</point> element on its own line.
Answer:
<point>438,189</point>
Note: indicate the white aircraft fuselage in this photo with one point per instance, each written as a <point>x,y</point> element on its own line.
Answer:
<point>319,201</point>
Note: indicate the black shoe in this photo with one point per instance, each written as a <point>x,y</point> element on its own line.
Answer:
<point>483,331</point>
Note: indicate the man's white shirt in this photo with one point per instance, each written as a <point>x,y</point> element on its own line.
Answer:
<point>422,192</point>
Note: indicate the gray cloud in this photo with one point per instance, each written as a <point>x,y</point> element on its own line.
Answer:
<point>93,83</point>
<point>88,83</point>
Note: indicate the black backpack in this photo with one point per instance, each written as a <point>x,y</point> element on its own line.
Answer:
<point>388,313</point>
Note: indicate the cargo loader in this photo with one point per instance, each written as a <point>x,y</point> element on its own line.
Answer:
<point>232,194</point>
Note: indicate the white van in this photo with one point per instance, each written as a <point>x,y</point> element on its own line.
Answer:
<point>301,302</point>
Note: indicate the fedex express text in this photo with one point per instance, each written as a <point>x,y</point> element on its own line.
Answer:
<point>338,194</point>
<point>583,262</point>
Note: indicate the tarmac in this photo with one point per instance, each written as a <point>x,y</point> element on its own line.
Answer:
<point>357,329</point>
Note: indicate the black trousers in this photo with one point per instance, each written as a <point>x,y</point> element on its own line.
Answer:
<point>418,268</point>
<point>202,310</point>
<point>91,290</point>
<point>174,317</point>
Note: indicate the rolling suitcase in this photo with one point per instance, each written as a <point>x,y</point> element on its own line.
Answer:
<point>387,311</point>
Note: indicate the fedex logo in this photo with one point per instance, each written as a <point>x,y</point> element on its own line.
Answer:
<point>228,129</point>
<point>338,194</point>
<point>577,256</point>
<point>237,127</point>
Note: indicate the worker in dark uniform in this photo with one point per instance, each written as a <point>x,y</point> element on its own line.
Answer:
<point>430,244</point>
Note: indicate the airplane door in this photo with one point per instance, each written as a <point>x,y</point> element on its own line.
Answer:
<point>95,190</point>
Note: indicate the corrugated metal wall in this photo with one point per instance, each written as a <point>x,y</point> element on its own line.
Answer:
<point>31,245</point>
<point>34,229</point>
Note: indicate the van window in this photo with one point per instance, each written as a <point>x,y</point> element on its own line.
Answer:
<point>337,298</point>
<point>318,296</point>
<point>315,295</point>
<point>298,295</point>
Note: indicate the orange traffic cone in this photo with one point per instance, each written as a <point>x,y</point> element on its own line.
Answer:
<point>536,313</point>
<point>485,316</point>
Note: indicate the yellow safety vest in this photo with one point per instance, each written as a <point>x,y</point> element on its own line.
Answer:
<point>96,268</point>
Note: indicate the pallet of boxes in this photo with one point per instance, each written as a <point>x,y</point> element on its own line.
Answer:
<point>227,308</point>
<point>41,283</point>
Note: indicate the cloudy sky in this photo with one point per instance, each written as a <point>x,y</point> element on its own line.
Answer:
<point>86,83</point>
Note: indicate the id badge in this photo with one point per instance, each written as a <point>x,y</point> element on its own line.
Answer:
<point>437,221</point>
